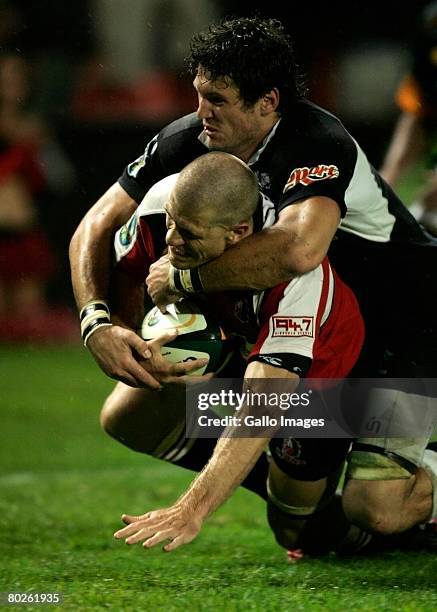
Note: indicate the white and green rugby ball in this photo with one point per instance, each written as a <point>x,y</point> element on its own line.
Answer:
<point>199,336</point>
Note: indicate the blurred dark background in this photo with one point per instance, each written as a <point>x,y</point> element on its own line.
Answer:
<point>105,75</point>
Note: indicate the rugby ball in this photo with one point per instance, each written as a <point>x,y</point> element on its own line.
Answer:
<point>199,336</point>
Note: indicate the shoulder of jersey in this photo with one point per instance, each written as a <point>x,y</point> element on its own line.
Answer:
<point>155,199</point>
<point>177,127</point>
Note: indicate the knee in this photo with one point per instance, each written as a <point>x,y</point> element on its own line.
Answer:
<point>115,418</point>
<point>108,416</point>
<point>371,509</point>
<point>374,520</point>
<point>285,529</point>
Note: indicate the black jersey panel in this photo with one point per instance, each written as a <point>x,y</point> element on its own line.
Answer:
<point>172,149</point>
<point>319,157</point>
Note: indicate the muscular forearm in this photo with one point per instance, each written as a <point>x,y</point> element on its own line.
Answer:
<point>127,300</point>
<point>295,245</point>
<point>235,455</point>
<point>91,245</point>
<point>89,274</point>
<point>257,262</point>
<point>232,460</point>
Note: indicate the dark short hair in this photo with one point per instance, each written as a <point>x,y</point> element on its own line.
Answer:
<point>257,54</point>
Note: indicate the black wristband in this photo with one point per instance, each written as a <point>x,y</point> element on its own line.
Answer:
<point>96,323</point>
<point>93,307</point>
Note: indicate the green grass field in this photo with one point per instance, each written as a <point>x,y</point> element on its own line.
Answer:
<point>64,484</point>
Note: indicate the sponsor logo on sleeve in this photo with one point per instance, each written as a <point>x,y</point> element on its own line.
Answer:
<point>306,176</point>
<point>263,180</point>
<point>292,327</point>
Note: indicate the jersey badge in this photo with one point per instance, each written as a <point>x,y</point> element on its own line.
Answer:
<point>263,180</point>
<point>136,166</point>
<point>128,231</point>
<point>290,451</point>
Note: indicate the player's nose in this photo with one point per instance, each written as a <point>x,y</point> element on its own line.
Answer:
<point>173,237</point>
<point>204,108</point>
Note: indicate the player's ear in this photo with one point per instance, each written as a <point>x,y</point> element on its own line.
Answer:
<point>238,232</point>
<point>270,102</point>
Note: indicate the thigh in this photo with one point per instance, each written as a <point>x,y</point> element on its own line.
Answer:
<point>289,493</point>
<point>144,418</point>
<point>387,490</point>
<point>309,459</point>
<point>303,472</point>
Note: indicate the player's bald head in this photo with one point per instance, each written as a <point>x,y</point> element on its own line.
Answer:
<point>218,185</point>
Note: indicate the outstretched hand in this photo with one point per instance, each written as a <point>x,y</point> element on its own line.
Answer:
<point>176,525</point>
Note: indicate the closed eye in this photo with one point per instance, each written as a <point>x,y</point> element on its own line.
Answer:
<point>184,232</point>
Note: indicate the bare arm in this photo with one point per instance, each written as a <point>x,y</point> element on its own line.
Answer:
<point>294,245</point>
<point>407,144</point>
<point>118,349</point>
<point>232,460</point>
<point>91,244</point>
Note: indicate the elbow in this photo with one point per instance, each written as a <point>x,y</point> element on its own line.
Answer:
<point>100,222</point>
<point>74,243</point>
<point>299,261</point>
<point>91,230</point>
<point>78,239</point>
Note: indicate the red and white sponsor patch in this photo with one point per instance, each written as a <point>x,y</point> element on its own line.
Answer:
<point>292,326</point>
<point>306,176</point>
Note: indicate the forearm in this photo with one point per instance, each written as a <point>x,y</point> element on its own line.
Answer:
<point>126,300</point>
<point>235,453</point>
<point>232,460</point>
<point>407,145</point>
<point>257,262</point>
<point>89,274</point>
<point>295,245</point>
<point>91,245</point>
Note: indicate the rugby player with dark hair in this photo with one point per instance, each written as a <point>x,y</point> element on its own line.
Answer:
<point>327,197</point>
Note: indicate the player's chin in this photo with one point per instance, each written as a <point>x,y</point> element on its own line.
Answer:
<point>182,262</point>
<point>216,142</point>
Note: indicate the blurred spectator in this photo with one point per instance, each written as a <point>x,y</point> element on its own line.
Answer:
<point>135,74</point>
<point>27,261</point>
<point>415,133</point>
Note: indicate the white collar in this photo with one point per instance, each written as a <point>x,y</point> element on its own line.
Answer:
<point>258,152</point>
<point>265,142</point>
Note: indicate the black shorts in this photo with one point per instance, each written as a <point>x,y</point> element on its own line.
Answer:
<point>309,458</point>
